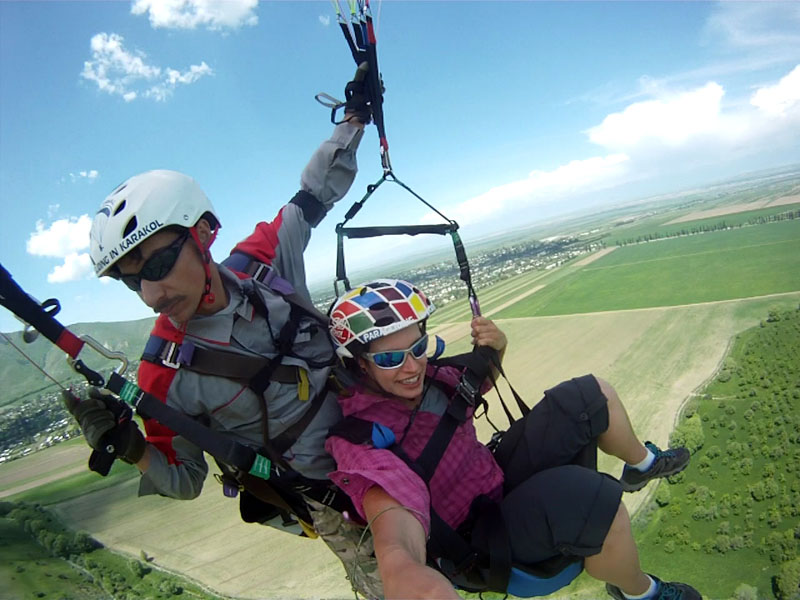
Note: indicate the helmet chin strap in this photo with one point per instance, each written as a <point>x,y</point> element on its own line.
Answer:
<point>208,296</point>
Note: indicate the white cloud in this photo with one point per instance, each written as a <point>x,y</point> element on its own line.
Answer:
<point>325,20</point>
<point>64,239</point>
<point>61,238</point>
<point>755,25</point>
<point>52,210</point>
<point>671,120</point>
<point>120,72</point>
<point>745,38</point>
<point>672,132</point>
<point>84,175</point>
<point>76,266</point>
<point>779,98</point>
<point>162,91</point>
<point>189,14</point>
<point>703,124</point>
<point>575,177</point>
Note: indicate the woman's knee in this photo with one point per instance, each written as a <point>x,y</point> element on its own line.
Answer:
<point>607,390</point>
<point>621,525</point>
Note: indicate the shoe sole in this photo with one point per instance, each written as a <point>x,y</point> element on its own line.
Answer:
<point>635,487</point>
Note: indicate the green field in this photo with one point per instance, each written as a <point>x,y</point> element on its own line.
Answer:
<point>737,263</point>
<point>661,226</point>
<point>40,558</point>
<point>28,571</point>
<point>76,485</point>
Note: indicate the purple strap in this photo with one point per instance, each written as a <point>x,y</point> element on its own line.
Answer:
<point>277,283</point>
<point>186,353</point>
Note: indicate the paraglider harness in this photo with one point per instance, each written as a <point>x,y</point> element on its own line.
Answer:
<point>448,550</point>
<point>261,501</point>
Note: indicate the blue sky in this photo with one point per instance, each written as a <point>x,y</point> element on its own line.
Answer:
<point>498,113</point>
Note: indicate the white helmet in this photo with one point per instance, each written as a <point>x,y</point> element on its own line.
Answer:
<point>140,207</point>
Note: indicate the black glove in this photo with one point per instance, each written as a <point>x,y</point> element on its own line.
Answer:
<point>356,96</point>
<point>106,423</point>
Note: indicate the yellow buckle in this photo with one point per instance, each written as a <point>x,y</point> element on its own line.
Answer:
<point>303,387</point>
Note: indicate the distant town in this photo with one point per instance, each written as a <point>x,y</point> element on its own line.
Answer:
<point>442,284</point>
<point>41,420</point>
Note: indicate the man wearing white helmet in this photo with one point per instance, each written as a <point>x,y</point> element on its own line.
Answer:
<point>236,345</point>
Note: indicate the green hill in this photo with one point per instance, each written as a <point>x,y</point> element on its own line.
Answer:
<point>22,380</point>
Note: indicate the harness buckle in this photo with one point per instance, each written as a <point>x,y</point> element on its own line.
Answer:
<point>230,487</point>
<point>260,271</point>
<point>467,391</point>
<point>170,356</point>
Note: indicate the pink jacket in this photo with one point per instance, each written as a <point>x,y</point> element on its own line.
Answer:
<point>466,470</point>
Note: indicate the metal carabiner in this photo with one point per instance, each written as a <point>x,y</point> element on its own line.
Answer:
<point>93,377</point>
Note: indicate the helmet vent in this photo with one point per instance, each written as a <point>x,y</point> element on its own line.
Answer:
<point>119,189</point>
<point>119,208</point>
<point>131,226</point>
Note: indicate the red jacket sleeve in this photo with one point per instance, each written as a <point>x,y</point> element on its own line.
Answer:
<point>262,244</point>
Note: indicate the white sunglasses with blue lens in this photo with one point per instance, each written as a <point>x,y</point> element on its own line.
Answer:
<point>393,359</point>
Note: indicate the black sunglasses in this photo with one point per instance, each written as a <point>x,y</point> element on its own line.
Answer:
<point>157,266</point>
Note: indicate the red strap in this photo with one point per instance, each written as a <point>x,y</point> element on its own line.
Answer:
<point>156,380</point>
<point>69,343</point>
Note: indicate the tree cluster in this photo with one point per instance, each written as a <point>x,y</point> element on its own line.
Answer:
<point>741,492</point>
<point>708,228</point>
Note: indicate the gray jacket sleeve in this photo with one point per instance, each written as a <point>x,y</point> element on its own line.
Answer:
<point>183,481</point>
<point>327,178</point>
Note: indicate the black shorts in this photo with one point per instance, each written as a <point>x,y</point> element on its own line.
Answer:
<point>555,502</point>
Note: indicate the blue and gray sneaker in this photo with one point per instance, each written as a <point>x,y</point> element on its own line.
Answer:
<point>665,591</point>
<point>666,463</point>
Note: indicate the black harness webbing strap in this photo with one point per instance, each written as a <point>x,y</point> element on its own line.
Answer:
<point>238,366</point>
<point>281,443</point>
<point>435,448</point>
<point>524,409</point>
<point>261,380</point>
<point>476,369</point>
<point>455,554</point>
<point>262,272</point>
<point>377,231</point>
<point>217,445</point>
<point>499,545</point>
<point>267,493</point>
<point>477,365</point>
<point>209,361</point>
<point>444,541</point>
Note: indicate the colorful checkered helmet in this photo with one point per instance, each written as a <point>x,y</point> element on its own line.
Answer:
<point>374,310</point>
